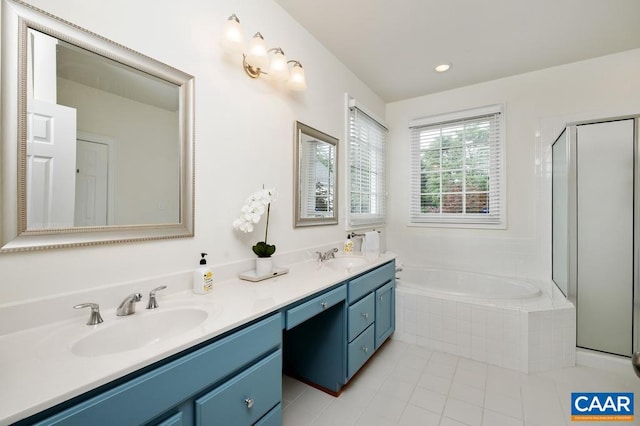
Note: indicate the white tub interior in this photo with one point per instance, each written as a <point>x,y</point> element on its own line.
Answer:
<point>466,284</point>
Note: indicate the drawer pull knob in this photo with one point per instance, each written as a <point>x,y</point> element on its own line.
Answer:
<point>248,402</point>
<point>379,297</point>
<point>324,305</point>
<point>365,349</point>
<point>365,315</point>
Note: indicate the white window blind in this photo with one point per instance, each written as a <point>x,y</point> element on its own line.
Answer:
<point>367,139</point>
<point>457,163</point>
<point>317,190</point>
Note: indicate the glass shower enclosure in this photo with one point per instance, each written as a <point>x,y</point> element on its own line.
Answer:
<point>594,250</point>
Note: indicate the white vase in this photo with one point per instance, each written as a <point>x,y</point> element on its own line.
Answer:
<point>264,266</point>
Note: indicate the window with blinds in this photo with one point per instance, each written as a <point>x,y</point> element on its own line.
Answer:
<point>318,176</point>
<point>457,163</point>
<point>367,139</point>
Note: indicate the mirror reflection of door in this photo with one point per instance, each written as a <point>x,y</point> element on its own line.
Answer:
<point>50,161</point>
<point>92,171</point>
<point>50,157</point>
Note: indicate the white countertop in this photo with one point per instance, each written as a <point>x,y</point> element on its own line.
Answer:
<point>38,369</point>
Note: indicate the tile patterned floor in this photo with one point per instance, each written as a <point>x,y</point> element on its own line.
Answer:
<point>405,384</point>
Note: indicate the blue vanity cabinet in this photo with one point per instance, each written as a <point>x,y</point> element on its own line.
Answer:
<point>314,340</point>
<point>360,350</point>
<point>362,314</point>
<point>175,420</point>
<point>318,304</point>
<point>272,418</point>
<point>364,284</point>
<point>236,377</point>
<point>246,397</point>
<point>371,319</point>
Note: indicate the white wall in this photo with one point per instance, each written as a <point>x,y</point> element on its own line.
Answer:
<point>244,138</point>
<point>537,106</point>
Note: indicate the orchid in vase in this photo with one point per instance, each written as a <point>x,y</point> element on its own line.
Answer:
<point>256,205</point>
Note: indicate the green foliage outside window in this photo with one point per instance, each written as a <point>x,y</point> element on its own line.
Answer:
<point>454,169</point>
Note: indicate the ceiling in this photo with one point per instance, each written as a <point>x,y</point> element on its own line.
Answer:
<point>93,70</point>
<point>393,45</point>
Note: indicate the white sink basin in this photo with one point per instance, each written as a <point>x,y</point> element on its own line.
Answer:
<point>340,263</point>
<point>138,330</point>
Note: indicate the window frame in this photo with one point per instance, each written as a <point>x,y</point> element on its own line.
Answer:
<point>357,220</point>
<point>497,168</point>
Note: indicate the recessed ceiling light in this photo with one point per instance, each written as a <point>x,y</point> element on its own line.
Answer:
<point>442,67</point>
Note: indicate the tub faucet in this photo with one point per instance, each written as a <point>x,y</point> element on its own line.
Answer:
<point>329,254</point>
<point>128,305</point>
<point>398,269</point>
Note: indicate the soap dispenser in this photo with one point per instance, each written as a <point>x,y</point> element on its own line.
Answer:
<point>202,277</point>
<point>348,245</point>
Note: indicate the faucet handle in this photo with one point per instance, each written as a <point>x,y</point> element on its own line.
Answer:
<point>153,304</point>
<point>94,317</point>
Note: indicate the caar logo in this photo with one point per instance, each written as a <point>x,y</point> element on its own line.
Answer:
<point>615,407</point>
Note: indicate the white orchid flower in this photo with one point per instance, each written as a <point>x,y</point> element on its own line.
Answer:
<point>255,206</point>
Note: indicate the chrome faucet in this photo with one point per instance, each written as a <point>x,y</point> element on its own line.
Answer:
<point>153,304</point>
<point>329,254</point>
<point>128,305</point>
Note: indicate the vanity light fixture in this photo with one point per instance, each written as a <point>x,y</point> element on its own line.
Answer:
<point>259,59</point>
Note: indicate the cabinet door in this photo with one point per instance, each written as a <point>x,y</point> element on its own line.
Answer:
<point>385,312</point>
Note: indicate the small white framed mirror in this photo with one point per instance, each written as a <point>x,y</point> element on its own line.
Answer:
<point>315,177</point>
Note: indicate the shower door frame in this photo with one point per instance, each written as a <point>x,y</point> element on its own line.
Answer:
<point>636,237</point>
<point>572,228</point>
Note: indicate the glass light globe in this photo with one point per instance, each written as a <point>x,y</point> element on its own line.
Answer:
<point>232,40</point>
<point>296,78</point>
<point>279,69</point>
<point>257,53</point>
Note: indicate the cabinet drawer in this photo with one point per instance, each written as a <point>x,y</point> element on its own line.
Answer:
<point>272,418</point>
<point>313,307</point>
<point>361,316</point>
<point>175,420</point>
<point>175,381</point>
<point>244,399</point>
<point>360,350</point>
<point>368,282</point>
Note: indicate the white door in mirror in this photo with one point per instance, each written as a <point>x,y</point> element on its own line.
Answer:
<point>51,138</point>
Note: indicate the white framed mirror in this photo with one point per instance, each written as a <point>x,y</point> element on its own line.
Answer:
<point>315,177</point>
<point>100,147</point>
